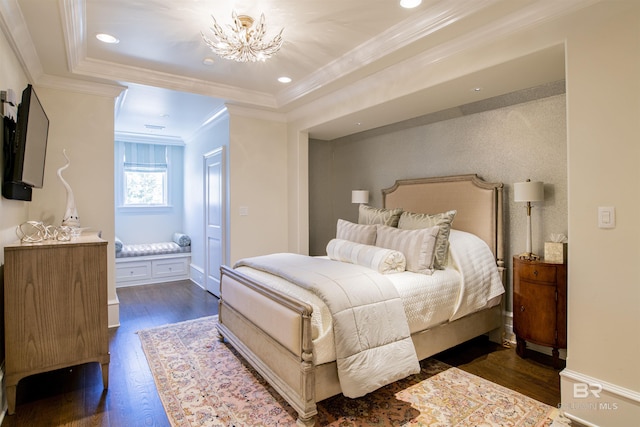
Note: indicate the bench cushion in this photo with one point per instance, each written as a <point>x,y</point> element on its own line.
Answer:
<point>145,249</point>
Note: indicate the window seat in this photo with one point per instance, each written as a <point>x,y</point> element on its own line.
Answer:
<point>148,263</point>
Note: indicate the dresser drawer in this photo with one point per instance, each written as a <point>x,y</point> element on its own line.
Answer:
<point>133,271</point>
<point>170,267</point>
<point>538,272</point>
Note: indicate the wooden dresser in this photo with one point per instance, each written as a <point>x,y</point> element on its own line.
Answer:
<point>540,305</point>
<point>55,308</point>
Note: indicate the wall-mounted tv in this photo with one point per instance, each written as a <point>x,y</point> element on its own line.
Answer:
<point>25,147</point>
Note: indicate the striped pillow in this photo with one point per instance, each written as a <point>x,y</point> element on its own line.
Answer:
<point>379,259</point>
<point>358,233</point>
<point>412,221</point>
<point>418,246</point>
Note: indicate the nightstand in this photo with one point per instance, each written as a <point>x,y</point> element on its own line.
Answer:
<point>540,305</point>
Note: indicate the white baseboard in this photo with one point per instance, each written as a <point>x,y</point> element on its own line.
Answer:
<point>113,312</point>
<point>593,402</point>
<point>197,275</point>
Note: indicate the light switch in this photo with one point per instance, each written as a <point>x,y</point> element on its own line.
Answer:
<point>244,210</point>
<point>606,217</point>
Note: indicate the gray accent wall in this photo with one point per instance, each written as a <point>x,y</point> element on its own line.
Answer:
<point>506,139</point>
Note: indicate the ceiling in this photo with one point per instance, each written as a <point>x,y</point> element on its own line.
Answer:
<point>168,90</point>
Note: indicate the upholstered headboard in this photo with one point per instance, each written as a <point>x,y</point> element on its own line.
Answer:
<point>478,204</point>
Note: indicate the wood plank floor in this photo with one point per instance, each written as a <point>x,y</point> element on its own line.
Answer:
<point>74,397</point>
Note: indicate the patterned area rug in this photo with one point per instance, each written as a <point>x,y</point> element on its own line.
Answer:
<point>203,382</point>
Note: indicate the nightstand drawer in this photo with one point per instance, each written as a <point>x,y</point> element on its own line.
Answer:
<point>538,273</point>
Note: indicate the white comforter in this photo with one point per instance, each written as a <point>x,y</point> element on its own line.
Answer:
<point>428,300</point>
<point>369,323</point>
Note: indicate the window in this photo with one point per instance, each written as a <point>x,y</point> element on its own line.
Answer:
<point>145,175</point>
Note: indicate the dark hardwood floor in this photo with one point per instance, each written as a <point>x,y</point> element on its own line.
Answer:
<point>74,397</point>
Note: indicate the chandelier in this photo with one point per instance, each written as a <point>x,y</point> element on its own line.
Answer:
<point>245,42</point>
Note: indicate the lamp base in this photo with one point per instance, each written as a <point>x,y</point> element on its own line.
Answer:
<point>529,256</point>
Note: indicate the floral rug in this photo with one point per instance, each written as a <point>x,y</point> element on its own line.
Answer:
<point>203,382</point>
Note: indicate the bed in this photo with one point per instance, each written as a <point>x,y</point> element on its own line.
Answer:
<point>274,329</point>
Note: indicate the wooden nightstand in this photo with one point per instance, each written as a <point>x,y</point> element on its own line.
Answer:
<point>540,305</point>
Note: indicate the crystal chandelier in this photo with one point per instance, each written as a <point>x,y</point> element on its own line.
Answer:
<point>245,42</point>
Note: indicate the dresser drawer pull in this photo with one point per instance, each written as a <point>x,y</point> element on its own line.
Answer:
<point>535,273</point>
<point>522,308</point>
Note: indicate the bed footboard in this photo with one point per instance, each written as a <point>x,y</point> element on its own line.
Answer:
<point>273,333</point>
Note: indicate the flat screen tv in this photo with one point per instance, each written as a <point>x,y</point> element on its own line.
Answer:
<point>25,147</point>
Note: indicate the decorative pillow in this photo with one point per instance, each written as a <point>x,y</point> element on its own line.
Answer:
<point>118,243</point>
<point>182,239</point>
<point>380,259</point>
<point>418,246</point>
<point>412,221</point>
<point>358,233</point>
<point>371,215</point>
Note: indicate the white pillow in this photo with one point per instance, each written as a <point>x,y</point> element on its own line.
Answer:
<point>358,233</point>
<point>380,259</point>
<point>418,246</point>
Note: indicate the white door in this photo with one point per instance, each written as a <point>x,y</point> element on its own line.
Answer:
<point>214,187</point>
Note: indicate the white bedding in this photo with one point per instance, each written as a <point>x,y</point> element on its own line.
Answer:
<point>428,300</point>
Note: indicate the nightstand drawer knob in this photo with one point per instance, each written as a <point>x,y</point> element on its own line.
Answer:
<point>522,308</point>
<point>535,273</point>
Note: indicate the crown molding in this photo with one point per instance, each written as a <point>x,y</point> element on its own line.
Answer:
<point>81,86</point>
<point>73,29</point>
<point>411,30</point>
<point>128,73</point>
<point>422,25</point>
<point>15,29</point>
<point>532,16</point>
<point>255,113</point>
<point>144,138</point>
<point>213,120</point>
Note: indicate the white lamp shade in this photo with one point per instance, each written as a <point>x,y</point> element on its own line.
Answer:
<point>528,191</point>
<point>360,196</point>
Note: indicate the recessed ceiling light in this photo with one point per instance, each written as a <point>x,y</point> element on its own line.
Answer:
<point>410,4</point>
<point>477,89</point>
<point>208,61</point>
<point>107,38</point>
<point>284,79</point>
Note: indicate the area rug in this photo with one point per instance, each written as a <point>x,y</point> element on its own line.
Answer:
<point>203,382</point>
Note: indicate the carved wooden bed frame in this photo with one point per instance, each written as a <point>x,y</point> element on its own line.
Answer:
<point>272,331</point>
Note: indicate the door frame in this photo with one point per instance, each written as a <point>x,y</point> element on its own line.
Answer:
<point>222,152</point>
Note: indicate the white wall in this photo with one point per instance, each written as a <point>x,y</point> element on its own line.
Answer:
<point>258,182</point>
<point>12,212</point>
<point>207,139</point>
<point>83,125</point>
<point>603,104</point>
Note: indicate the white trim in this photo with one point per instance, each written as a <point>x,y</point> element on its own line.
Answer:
<point>113,312</point>
<point>594,402</point>
<point>197,275</point>
<point>606,386</point>
<point>256,113</point>
<point>142,138</point>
